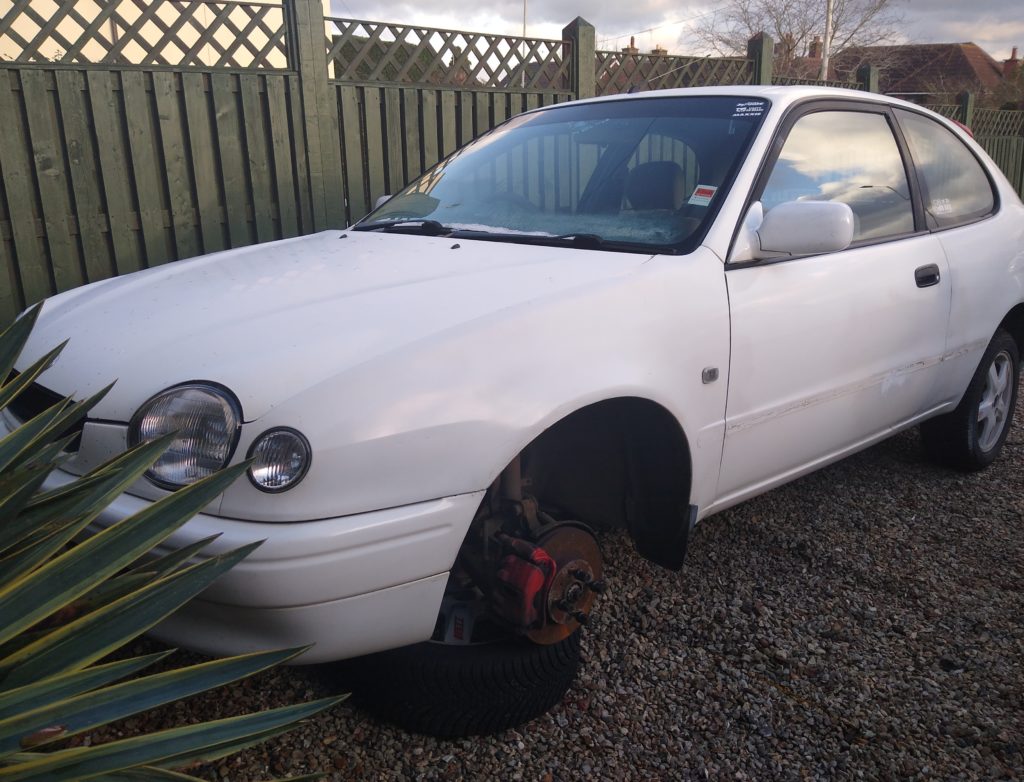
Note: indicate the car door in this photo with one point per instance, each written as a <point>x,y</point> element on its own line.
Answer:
<point>832,351</point>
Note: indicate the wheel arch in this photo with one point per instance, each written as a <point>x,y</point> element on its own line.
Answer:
<point>1014,324</point>
<point>623,462</point>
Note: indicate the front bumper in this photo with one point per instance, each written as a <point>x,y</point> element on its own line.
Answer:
<point>350,585</point>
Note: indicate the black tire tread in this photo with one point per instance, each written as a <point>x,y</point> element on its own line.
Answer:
<point>950,439</point>
<point>453,691</point>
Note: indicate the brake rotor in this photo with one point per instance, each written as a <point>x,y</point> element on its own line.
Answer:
<point>571,596</point>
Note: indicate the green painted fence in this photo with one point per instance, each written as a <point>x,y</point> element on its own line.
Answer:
<point>137,132</point>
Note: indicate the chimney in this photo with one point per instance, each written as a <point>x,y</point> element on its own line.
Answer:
<point>1011,65</point>
<point>814,52</point>
<point>631,49</point>
<point>659,49</point>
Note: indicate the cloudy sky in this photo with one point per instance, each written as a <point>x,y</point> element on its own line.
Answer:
<point>995,25</point>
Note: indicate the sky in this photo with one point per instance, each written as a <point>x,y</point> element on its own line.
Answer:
<point>995,25</point>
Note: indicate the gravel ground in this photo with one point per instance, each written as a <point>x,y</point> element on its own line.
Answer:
<point>866,621</point>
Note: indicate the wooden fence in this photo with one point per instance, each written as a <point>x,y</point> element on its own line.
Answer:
<point>137,132</point>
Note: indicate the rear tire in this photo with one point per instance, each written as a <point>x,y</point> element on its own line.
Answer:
<point>971,437</point>
<point>449,691</point>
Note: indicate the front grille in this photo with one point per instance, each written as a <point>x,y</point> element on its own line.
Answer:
<point>33,401</point>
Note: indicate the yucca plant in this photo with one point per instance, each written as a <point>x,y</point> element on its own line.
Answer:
<point>69,596</point>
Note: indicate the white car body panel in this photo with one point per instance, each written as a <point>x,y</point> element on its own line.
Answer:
<point>418,369</point>
<point>857,354</point>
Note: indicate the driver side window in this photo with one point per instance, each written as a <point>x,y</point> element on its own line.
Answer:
<point>846,156</point>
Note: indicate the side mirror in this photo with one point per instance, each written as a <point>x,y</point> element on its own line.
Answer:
<point>794,228</point>
<point>381,201</point>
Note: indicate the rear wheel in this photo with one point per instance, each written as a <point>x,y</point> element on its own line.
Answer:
<point>971,437</point>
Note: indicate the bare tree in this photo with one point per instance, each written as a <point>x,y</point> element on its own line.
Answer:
<point>794,24</point>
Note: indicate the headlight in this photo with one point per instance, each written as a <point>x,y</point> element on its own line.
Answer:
<point>280,458</point>
<point>206,419</point>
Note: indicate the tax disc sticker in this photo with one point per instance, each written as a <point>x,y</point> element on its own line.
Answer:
<point>702,195</point>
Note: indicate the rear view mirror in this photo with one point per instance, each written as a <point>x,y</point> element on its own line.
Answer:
<point>794,228</point>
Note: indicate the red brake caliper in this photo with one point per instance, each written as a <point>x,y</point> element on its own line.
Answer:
<point>523,582</point>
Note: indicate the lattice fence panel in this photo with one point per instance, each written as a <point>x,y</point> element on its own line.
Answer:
<point>619,72</point>
<point>997,122</point>
<point>947,110</point>
<point>189,33</point>
<point>378,52</point>
<point>793,81</point>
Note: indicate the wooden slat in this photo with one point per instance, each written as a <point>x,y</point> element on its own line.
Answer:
<point>48,156</point>
<point>11,301</point>
<point>394,131</point>
<point>449,141</point>
<point>302,179</point>
<point>431,150</point>
<point>82,156</point>
<point>549,196</point>
<point>465,119</point>
<point>351,139</point>
<point>482,112</point>
<point>413,149</point>
<point>149,174</point>
<point>256,149</point>
<point>200,136</point>
<point>280,143</point>
<point>499,108</point>
<point>15,166</point>
<point>107,113</point>
<point>187,241</point>
<point>319,112</point>
<point>374,145</point>
<point>229,134</point>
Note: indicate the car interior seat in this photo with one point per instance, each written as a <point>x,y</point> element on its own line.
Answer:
<point>659,184</point>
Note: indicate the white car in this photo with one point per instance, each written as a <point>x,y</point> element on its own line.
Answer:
<point>623,312</point>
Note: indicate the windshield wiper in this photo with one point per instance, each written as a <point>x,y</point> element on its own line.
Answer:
<point>417,225</point>
<point>585,241</point>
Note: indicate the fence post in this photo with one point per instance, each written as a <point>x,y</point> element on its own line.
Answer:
<point>308,56</point>
<point>867,77</point>
<point>965,100</point>
<point>580,33</point>
<point>761,52</point>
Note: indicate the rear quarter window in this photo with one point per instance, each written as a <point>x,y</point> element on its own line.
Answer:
<point>956,188</point>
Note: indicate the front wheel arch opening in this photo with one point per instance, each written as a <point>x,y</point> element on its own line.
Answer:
<point>623,463</point>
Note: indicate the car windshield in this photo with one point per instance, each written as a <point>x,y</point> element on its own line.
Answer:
<point>645,175</point>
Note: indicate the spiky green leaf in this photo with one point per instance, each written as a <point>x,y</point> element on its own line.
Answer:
<point>53,689</point>
<point>35,595</point>
<point>10,391</point>
<point>52,526</point>
<point>88,762</point>
<point>13,339</point>
<point>80,643</point>
<point>92,709</point>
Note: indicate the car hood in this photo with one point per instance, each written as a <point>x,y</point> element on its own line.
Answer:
<point>271,320</point>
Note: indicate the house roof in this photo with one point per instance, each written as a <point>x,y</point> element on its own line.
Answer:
<point>926,67</point>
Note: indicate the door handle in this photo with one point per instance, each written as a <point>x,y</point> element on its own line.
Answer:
<point>926,276</point>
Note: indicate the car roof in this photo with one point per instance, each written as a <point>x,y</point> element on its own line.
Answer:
<point>779,96</point>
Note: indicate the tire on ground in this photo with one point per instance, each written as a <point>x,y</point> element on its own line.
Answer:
<point>450,691</point>
<point>954,439</point>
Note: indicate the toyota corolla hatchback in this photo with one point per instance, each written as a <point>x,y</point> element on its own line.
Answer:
<point>628,312</point>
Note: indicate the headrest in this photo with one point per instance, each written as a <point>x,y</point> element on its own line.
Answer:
<point>656,185</point>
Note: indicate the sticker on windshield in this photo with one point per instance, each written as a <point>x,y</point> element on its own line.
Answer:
<point>942,206</point>
<point>702,195</point>
<point>749,108</point>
